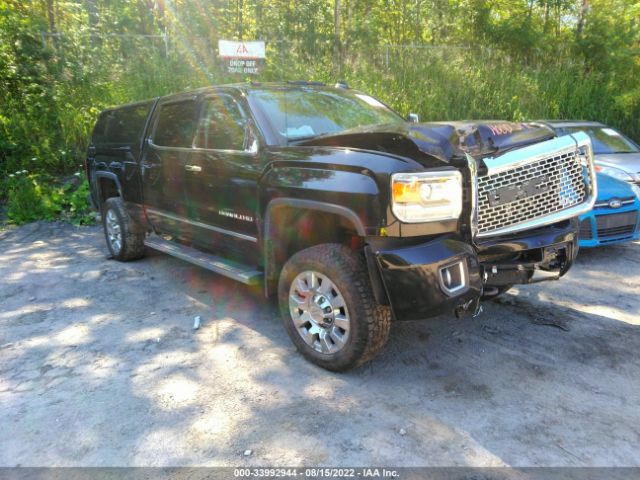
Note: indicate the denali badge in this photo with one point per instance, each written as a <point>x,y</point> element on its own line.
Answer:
<point>511,193</point>
<point>237,216</point>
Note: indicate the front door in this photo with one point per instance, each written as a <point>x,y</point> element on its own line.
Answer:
<point>222,183</point>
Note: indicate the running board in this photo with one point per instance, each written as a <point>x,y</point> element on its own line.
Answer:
<point>228,268</point>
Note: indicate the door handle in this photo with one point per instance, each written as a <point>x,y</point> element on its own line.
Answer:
<point>193,168</point>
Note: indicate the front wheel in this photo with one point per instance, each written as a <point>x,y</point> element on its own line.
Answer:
<point>328,307</point>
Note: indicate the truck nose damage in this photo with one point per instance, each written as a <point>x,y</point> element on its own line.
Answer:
<point>430,278</point>
<point>447,274</point>
<point>523,209</point>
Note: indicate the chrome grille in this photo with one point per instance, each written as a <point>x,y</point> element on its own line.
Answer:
<point>561,182</point>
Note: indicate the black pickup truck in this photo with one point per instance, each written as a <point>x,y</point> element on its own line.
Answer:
<point>326,197</point>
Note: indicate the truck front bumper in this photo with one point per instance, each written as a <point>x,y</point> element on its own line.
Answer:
<point>448,274</point>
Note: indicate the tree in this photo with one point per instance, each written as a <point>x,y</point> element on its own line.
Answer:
<point>51,15</point>
<point>581,17</point>
<point>337,60</point>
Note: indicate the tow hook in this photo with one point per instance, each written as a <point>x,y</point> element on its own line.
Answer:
<point>472,305</point>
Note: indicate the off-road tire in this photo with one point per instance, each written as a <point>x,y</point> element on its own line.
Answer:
<point>369,322</point>
<point>132,234</point>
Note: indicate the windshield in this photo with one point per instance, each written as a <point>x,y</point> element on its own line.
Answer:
<point>297,114</point>
<point>604,139</point>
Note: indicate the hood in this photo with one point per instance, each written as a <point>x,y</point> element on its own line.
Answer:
<point>629,162</point>
<point>441,140</point>
<point>609,187</point>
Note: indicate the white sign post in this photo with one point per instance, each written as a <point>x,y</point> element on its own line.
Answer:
<point>242,57</point>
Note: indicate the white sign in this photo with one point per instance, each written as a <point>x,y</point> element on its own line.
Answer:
<point>241,50</point>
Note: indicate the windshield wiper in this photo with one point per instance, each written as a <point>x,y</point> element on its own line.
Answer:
<point>307,137</point>
<point>301,139</point>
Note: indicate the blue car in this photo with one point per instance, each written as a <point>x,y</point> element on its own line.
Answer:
<point>615,216</point>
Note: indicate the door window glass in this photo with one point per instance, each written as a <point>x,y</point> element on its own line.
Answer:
<point>222,126</point>
<point>176,124</point>
<point>122,126</point>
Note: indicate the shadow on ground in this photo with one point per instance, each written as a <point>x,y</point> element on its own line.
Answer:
<point>99,365</point>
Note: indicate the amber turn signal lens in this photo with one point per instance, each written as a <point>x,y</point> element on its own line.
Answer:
<point>408,192</point>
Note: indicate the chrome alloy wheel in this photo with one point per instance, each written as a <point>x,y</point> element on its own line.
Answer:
<point>114,233</point>
<point>319,312</point>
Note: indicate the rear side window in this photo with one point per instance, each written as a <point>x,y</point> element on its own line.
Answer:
<point>222,126</point>
<point>100,130</point>
<point>176,125</point>
<point>123,126</point>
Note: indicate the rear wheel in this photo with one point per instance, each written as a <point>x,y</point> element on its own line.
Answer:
<point>328,307</point>
<point>125,238</point>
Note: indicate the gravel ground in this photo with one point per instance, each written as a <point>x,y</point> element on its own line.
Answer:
<point>100,366</point>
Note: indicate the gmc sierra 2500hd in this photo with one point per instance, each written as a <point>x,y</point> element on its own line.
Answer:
<point>326,197</point>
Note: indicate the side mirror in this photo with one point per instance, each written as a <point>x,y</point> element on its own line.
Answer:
<point>253,147</point>
<point>413,118</point>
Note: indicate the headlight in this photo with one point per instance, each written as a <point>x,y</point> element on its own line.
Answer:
<point>636,190</point>
<point>615,173</point>
<point>426,196</point>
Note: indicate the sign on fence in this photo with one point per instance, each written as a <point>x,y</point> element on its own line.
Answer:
<point>242,57</point>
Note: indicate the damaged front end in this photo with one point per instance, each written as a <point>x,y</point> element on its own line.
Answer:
<point>521,228</point>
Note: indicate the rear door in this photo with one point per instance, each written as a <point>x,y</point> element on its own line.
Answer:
<point>222,183</point>
<point>164,163</point>
<point>115,148</point>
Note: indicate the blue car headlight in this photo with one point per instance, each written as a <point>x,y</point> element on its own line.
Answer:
<point>615,173</point>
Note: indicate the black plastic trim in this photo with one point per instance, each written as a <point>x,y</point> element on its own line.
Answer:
<point>379,292</point>
<point>302,204</point>
<point>110,176</point>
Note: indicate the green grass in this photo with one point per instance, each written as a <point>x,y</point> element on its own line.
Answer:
<point>45,124</point>
<point>33,196</point>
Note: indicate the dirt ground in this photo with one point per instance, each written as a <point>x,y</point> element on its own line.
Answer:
<point>100,366</point>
